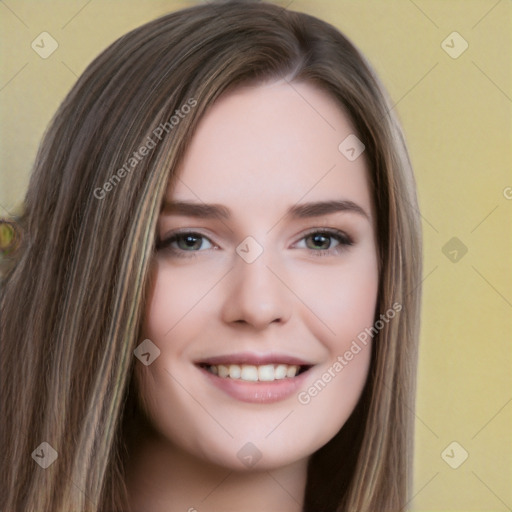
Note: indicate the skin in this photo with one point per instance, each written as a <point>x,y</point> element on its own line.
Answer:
<point>257,151</point>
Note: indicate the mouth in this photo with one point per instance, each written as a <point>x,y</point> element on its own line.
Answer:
<point>255,378</point>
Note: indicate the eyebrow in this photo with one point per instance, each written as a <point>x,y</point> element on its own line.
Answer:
<point>299,211</point>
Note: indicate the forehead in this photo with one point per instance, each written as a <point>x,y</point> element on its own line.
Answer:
<point>270,145</point>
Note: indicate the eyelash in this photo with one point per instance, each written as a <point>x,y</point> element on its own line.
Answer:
<point>343,239</point>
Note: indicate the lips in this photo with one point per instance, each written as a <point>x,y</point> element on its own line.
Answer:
<point>252,377</point>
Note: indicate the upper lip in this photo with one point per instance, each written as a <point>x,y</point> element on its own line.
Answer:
<point>255,359</point>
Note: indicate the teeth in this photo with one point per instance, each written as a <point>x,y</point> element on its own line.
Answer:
<point>280,371</point>
<point>251,373</point>
<point>292,371</point>
<point>266,372</point>
<point>234,371</point>
<point>223,371</point>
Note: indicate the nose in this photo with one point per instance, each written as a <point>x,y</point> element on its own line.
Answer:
<point>255,295</point>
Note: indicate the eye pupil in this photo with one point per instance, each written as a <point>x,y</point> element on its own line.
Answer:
<point>322,240</point>
<point>191,241</point>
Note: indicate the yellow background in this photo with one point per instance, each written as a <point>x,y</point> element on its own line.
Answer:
<point>457,118</point>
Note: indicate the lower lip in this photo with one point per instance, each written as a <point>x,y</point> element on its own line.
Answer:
<point>257,392</point>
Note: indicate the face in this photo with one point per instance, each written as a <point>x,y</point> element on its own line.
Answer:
<point>264,276</point>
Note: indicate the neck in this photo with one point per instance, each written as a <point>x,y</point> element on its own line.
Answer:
<point>163,478</point>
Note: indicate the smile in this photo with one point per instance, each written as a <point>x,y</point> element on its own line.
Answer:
<point>256,378</point>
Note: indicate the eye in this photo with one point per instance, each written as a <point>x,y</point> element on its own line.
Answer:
<point>183,242</point>
<point>319,241</point>
<point>187,244</point>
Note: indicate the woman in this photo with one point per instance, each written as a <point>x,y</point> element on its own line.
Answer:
<point>250,374</point>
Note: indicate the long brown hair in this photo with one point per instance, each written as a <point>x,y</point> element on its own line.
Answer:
<point>72,303</point>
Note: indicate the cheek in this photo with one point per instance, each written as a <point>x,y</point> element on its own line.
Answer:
<point>175,303</point>
<point>342,312</point>
<point>176,296</point>
<point>342,300</point>
<point>166,303</point>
